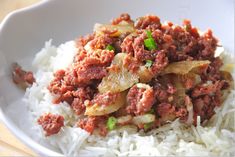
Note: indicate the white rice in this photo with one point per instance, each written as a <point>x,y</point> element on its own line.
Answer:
<point>217,138</point>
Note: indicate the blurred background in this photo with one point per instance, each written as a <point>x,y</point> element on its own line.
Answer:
<point>7,6</point>
<point>9,145</point>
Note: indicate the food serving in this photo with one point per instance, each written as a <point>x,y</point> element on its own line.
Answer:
<point>133,81</point>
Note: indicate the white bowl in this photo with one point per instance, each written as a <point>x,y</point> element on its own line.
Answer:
<point>23,33</point>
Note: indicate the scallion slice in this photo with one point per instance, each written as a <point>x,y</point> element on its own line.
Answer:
<point>109,47</point>
<point>147,126</point>
<point>111,123</point>
<point>149,43</point>
<point>148,63</point>
<point>148,34</point>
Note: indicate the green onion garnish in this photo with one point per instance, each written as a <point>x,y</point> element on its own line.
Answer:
<point>109,47</point>
<point>111,124</point>
<point>147,126</point>
<point>148,63</point>
<point>148,34</point>
<point>151,111</point>
<point>149,43</point>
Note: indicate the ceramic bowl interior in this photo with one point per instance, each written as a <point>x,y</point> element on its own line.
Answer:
<point>23,33</point>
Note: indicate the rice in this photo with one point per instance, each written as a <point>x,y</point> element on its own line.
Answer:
<point>217,138</point>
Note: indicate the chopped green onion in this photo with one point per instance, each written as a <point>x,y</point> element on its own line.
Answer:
<point>109,47</point>
<point>149,43</point>
<point>148,34</point>
<point>151,111</point>
<point>148,63</point>
<point>147,126</point>
<point>111,124</point>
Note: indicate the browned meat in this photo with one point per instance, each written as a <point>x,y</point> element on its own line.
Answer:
<point>148,22</point>
<point>105,99</point>
<point>21,77</point>
<point>123,17</point>
<point>89,124</point>
<point>51,123</point>
<point>207,89</point>
<point>140,100</point>
<point>204,107</point>
<point>161,61</point>
<point>166,112</point>
<point>83,75</point>
<point>131,63</point>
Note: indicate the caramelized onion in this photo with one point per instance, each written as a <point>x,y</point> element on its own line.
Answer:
<point>118,80</point>
<point>184,67</point>
<point>114,30</point>
<point>99,109</point>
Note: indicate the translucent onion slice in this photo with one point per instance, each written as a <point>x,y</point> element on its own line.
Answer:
<point>184,67</point>
<point>118,80</point>
<point>99,109</point>
<point>145,74</point>
<point>114,30</point>
<point>124,119</point>
<point>229,78</point>
<point>143,119</point>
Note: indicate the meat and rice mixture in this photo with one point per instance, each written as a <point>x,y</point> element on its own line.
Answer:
<point>140,73</point>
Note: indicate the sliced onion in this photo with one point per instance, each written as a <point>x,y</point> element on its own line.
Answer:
<point>114,30</point>
<point>184,67</point>
<point>124,119</point>
<point>118,81</point>
<point>142,85</point>
<point>189,107</point>
<point>145,74</point>
<point>143,119</point>
<point>99,109</point>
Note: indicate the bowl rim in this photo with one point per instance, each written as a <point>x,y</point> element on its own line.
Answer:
<point>18,133</point>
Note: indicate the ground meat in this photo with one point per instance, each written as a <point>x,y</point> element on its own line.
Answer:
<point>181,112</point>
<point>213,70</point>
<point>123,17</point>
<point>103,131</point>
<point>148,22</point>
<point>204,107</point>
<point>208,44</point>
<point>51,123</point>
<point>90,123</point>
<point>205,89</point>
<point>192,30</point>
<point>105,99</point>
<point>160,91</point>
<point>84,75</point>
<point>79,97</point>
<point>127,45</point>
<point>140,100</point>
<point>189,80</point>
<point>78,106</point>
<point>166,112</point>
<point>131,63</point>
<point>170,88</point>
<point>56,85</point>
<point>100,42</point>
<point>161,61</point>
<point>21,77</point>
<point>82,41</point>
